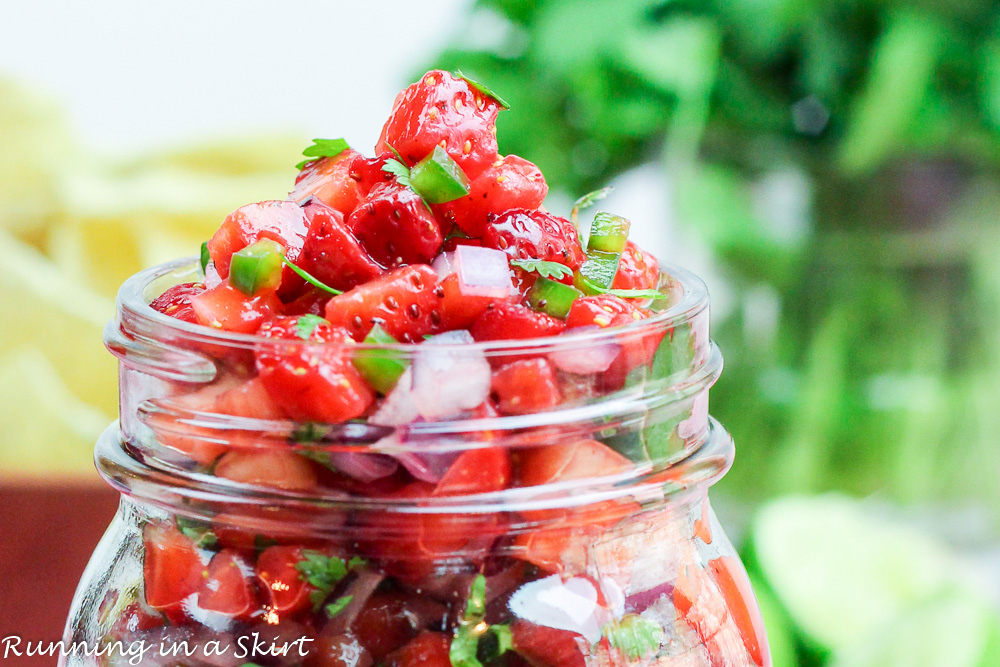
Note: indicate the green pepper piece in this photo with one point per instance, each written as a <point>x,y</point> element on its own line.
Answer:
<point>608,233</point>
<point>597,273</point>
<point>438,178</point>
<point>552,297</point>
<point>257,267</point>
<point>380,368</point>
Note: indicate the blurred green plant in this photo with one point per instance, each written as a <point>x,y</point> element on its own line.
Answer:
<point>881,370</point>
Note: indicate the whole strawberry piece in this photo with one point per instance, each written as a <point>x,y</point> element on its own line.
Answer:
<point>510,182</point>
<point>281,221</point>
<point>527,234</point>
<point>512,321</point>
<point>442,110</point>
<point>395,226</point>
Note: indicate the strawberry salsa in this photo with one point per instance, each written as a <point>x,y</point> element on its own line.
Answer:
<point>367,290</point>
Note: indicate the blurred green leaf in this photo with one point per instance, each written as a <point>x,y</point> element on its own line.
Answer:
<point>902,66</point>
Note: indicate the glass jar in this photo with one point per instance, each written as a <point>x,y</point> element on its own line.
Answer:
<point>459,522</point>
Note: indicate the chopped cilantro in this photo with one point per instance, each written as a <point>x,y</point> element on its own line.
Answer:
<point>312,280</point>
<point>465,642</point>
<point>323,148</point>
<point>635,636</point>
<point>482,88</point>
<point>338,605</point>
<point>206,257</point>
<point>586,201</point>
<point>197,531</point>
<point>553,270</point>
<point>309,432</point>
<point>306,324</point>
<point>323,573</point>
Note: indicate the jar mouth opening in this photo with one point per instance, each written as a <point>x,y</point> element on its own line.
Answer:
<point>686,293</point>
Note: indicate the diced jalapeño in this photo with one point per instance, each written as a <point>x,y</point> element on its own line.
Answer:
<point>608,233</point>
<point>552,297</point>
<point>597,273</point>
<point>438,178</point>
<point>380,368</point>
<point>257,267</point>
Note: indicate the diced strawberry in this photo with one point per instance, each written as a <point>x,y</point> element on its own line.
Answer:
<point>329,180</point>
<point>331,252</point>
<point>734,585</point>
<point>281,221</point>
<point>453,242</point>
<point>441,109</point>
<point>568,529</point>
<point>312,382</point>
<point>286,590</point>
<point>176,301</point>
<point>606,310</point>
<point>279,469</point>
<point>431,649</point>
<point>636,269</point>
<point>547,647</point>
<point>172,569</point>
<point>395,226</point>
<point>476,471</point>
<point>404,301</point>
<point>226,588</point>
<point>510,182</point>
<point>311,302</point>
<point>459,311</point>
<point>526,234</point>
<point>525,387</point>
<point>248,399</point>
<point>505,321</point>
<point>368,172</point>
<point>225,307</point>
<point>389,620</point>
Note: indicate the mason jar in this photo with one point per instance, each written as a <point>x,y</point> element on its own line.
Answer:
<point>456,523</point>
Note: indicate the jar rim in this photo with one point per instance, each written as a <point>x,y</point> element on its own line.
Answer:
<point>133,305</point>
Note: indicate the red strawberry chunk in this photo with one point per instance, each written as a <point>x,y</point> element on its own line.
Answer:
<point>547,647</point>
<point>511,321</point>
<point>283,584</point>
<point>368,172</point>
<point>443,110</point>
<point>281,221</point>
<point>225,307</point>
<point>312,382</point>
<point>331,253</point>
<point>430,649</point>
<point>525,387</point>
<point>225,589</point>
<point>636,269</point>
<point>176,301</point>
<point>405,302</point>
<point>459,311</point>
<point>329,180</point>
<point>395,226</point>
<point>172,568</point>
<point>606,310</point>
<point>510,182</point>
<point>525,234</point>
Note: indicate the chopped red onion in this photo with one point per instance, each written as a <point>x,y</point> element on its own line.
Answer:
<point>482,272</point>
<point>444,265</point>
<point>399,407</point>
<point>449,381</point>
<point>363,467</point>
<point>553,602</point>
<point>359,590</point>
<point>427,467</point>
<point>697,421</point>
<point>584,361</point>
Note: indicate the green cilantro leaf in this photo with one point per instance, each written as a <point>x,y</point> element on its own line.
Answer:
<point>312,280</point>
<point>323,573</point>
<point>306,324</point>
<point>396,153</point>
<point>402,173</point>
<point>586,201</point>
<point>635,636</point>
<point>338,605</point>
<point>206,257</point>
<point>545,269</point>
<point>197,531</point>
<point>482,88</point>
<point>323,148</point>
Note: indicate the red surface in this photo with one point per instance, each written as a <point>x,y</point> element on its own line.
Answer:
<point>47,533</point>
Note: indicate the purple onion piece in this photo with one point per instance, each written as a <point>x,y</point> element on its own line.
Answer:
<point>482,272</point>
<point>444,265</point>
<point>448,381</point>
<point>362,466</point>
<point>642,600</point>
<point>592,359</point>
